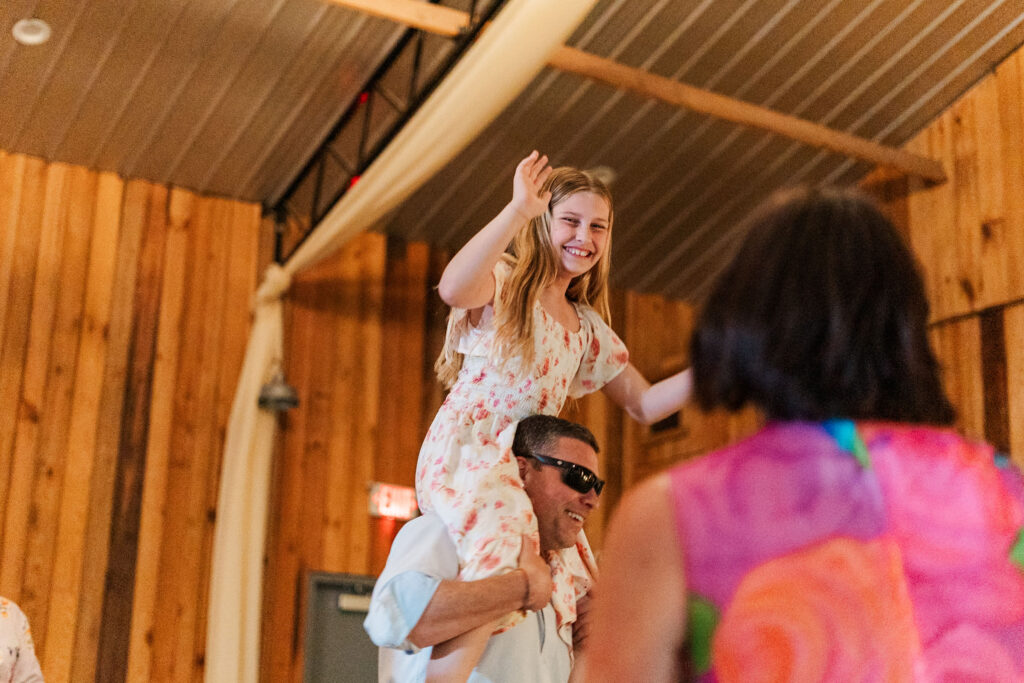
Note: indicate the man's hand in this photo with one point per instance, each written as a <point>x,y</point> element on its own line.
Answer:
<point>538,576</point>
<point>581,627</point>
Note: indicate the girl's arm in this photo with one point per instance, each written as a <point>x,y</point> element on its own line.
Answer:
<point>639,622</point>
<point>645,402</point>
<point>467,281</point>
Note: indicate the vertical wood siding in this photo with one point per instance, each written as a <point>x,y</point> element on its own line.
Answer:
<point>360,346</point>
<point>123,318</point>
<point>968,235</point>
<point>657,332</point>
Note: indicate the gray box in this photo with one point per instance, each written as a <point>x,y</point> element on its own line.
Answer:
<point>337,648</point>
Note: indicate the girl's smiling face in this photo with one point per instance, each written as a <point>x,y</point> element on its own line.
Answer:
<point>579,231</point>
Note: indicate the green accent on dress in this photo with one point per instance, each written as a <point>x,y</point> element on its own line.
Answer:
<point>860,451</point>
<point>702,617</point>
<point>1017,551</point>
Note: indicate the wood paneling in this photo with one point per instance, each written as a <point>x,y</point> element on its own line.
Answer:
<point>982,359</point>
<point>155,493</point>
<point>90,628</point>
<point>958,348</point>
<point>657,332</point>
<point>969,232</point>
<point>1013,325</point>
<point>968,235</point>
<point>993,372</point>
<point>139,209</point>
<point>344,357</point>
<point>123,317</point>
<point>72,642</point>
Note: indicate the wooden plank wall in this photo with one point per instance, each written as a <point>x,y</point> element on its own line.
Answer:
<point>969,237</point>
<point>123,319</point>
<point>362,332</point>
<point>657,332</point>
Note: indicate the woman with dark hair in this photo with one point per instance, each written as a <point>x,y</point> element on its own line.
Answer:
<point>854,537</point>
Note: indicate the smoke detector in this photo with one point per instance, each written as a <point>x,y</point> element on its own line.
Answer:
<point>31,31</point>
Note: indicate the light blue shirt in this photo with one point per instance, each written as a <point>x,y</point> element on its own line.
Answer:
<point>423,555</point>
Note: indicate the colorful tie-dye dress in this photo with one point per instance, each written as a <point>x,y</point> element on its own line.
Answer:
<point>466,471</point>
<point>852,552</point>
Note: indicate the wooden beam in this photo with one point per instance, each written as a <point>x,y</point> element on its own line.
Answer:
<point>730,109</point>
<point>438,19</point>
<point>449,22</point>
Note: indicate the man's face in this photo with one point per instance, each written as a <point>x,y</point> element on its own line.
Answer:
<point>560,510</point>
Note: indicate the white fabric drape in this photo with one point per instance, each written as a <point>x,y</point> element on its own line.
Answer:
<point>494,70</point>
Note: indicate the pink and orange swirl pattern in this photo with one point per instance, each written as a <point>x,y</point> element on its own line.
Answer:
<point>823,568</point>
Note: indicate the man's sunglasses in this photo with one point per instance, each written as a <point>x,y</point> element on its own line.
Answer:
<point>576,477</point>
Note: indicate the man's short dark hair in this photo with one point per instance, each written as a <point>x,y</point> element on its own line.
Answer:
<point>538,433</point>
<point>822,313</point>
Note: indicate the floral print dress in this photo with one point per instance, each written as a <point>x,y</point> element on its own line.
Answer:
<point>466,472</point>
<point>852,552</point>
<point>18,663</point>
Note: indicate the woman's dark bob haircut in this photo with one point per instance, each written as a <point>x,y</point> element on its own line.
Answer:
<point>821,314</point>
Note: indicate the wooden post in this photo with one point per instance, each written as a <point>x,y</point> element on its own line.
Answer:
<point>705,102</point>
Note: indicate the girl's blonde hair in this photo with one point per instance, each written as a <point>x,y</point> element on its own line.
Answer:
<point>534,265</point>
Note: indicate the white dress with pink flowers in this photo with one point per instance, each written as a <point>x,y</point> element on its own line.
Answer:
<point>466,471</point>
<point>18,663</point>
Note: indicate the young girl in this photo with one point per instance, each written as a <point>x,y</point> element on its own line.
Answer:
<point>528,328</point>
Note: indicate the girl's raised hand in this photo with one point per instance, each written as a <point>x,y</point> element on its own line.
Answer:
<point>531,173</point>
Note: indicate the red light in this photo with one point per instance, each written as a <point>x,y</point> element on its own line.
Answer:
<point>389,500</point>
<point>363,96</point>
<point>353,180</point>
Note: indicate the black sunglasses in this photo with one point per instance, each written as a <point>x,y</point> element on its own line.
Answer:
<point>576,477</point>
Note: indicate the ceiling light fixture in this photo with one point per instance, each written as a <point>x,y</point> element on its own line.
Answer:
<point>31,31</point>
<point>277,395</point>
<point>606,174</point>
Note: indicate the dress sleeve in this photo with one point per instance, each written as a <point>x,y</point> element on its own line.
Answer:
<point>605,357</point>
<point>476,341</point>
<point>502,269</point>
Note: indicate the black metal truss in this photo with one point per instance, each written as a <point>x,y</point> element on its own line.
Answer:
<point>369,123</point>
